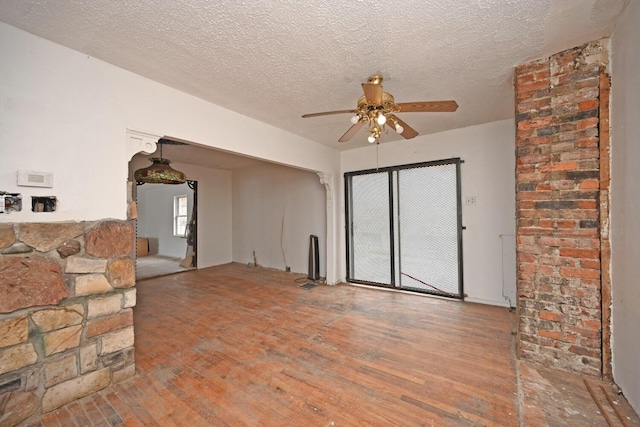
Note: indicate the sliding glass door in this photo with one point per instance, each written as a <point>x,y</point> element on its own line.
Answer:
<point>404,227</point>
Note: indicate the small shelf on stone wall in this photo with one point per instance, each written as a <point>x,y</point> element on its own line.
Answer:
<point>44,203</point>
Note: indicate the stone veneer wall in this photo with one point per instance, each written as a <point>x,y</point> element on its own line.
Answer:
<point>560,157</point>
<point>66,321</point>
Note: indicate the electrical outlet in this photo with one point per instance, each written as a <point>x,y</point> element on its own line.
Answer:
<point>470,200</point>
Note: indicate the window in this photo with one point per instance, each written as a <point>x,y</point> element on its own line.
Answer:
<point>180,216</point>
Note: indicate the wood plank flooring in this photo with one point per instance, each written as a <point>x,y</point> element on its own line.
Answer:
<point>234,345</point>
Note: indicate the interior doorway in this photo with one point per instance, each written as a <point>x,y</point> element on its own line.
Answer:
<point>166,229</point>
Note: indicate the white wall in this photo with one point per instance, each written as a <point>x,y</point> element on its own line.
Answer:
<point>214,210</point>
<point>262,196</point>
<point>64,112</point>
<point>625,203</point>
<point>155,217</point>
<point>488,173</point>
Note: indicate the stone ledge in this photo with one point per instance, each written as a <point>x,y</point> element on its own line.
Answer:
<point>88,358</point>
<point>85,265</point>
<point>62,339</point>
<point>118,340</point>
<point>14,331</point>
<point>92,284</point>
<point>30,281</point>
<point>125,373</point>
<point>16,357</point>
<point>122,273</point>
<point>48,236</point>
<point>58,317</point>
<point>60,370</point>
<point>129,298</point>
<point>108,324</point>
<point>104,306</point>
<point>68,391</point>
<point>110,239</point>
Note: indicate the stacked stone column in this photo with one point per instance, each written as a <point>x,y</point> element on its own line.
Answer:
<point>66,322</point>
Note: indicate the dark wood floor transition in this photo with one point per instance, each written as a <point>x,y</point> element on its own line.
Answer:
<point>234,345</point>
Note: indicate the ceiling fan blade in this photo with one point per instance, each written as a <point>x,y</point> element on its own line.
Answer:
<point>327,113</point>
<point>352,131</point>
<point>408,131</point>
<point>428,107</point>
<point>372,92</point>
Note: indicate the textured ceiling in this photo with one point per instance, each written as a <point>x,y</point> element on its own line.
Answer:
<point>275,60</point>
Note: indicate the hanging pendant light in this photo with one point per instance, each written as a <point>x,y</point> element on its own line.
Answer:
<point>159,172</point>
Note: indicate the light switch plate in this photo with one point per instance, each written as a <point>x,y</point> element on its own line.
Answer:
<point>35,179</point>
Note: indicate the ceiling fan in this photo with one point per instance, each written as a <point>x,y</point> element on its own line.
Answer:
<point>376,109</point>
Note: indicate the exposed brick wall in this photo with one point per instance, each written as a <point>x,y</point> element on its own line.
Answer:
<point>66,322</point>
<point>558,209</point>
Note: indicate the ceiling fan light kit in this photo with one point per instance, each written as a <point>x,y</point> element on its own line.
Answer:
<point>376,109</point>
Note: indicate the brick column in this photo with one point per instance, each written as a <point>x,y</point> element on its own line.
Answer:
<point>558,209</point>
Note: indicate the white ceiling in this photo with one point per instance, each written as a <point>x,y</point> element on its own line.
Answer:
<point>275,60</point>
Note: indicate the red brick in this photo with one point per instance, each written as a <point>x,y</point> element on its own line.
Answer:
<point>588,123</point>
<point>587,204</point>
<point>551,334</point>
<point>564,166</point>
<point>545,270</point>
<point>563,185</point>
<point>580,253</point>
<point>532,160</point>
<point>580,154</point>
<point>526,204</point>
<point>582,332</point>
<point>590,184</point>
<point>534,104</point>
<point>111,323</point>
<point>589,164</point>
<point>535,123</point>
<point>542,74</point>
<point>535,231</point>
<point>557,201</point>
<point>584,351</point>
<point>580,272</point>
<point>592,324</point>
<point>539,65</point>
<point>549,241</point>
<point>588,142</point>
<point>589,104</point>
<point>527,267</point>
<point>524,78</point>
<point>567,223</point>
<point>526,258</point>
<point>547,223</point>
<point>589,263</point>
<point>547,315</point>
<point>534,195</point>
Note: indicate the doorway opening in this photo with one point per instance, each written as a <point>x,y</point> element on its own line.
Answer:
<point>404,227</point>
<point>166,233</point>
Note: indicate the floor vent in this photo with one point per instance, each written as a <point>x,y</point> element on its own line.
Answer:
<point>308,286</point>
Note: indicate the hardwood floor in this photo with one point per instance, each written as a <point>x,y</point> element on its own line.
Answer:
<point>234,345</point>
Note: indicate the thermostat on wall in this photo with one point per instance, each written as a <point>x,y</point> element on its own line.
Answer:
<point>35,179</point>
